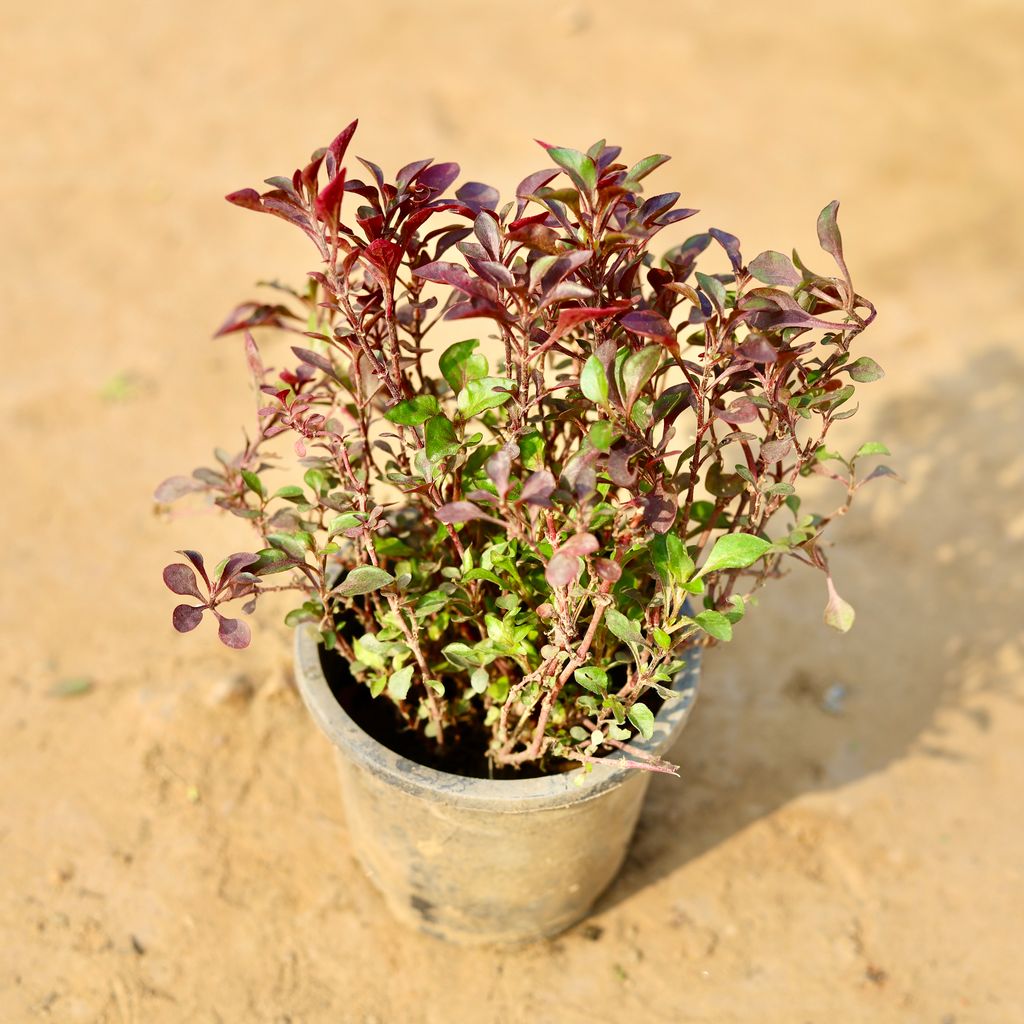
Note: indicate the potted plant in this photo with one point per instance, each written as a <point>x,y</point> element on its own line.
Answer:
<point>508,554</point>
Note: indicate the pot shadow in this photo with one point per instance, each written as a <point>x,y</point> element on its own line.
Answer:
<point>777,718</point>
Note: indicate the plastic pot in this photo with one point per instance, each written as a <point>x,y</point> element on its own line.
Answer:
<point>479,860</point>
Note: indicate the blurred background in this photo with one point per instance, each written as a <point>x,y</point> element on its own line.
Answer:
<point>845,843</point>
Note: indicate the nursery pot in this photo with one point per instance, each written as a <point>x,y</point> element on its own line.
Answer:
<point>480,860</point>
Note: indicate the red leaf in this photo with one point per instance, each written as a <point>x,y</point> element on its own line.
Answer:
<point>248,198</point>
<point>385,255</point>
<point>574,316</point>
<point>328,202</point>
<point>340,144</point>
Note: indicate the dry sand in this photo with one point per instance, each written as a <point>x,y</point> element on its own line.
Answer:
<point>170,854</point>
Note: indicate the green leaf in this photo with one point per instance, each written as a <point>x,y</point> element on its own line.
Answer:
<point>839,614</point>
<point>734,551</point>
<point>413,411</point>
<point>580,168</point>
<point>872,448</point>
<point>439,438</point>
<point>346,521</point>
<point>483,574</point>
<point>254,483</point>
<point>459,364</point>
<point>291,493</point>
<point>289,544</point>
<point>480,395</point>
<point>714,624</point>
<point>670,559</point>
<point>865,370</point>
<point>600,435</point>
<point>713,288</point>
<point>662,639</point>
<point>637,370</point>
<point>363,580</point>
<point>592,678</point>
<point>828,231</point>
<point>531,450</point>
<point>644,167</point>
<point>271,560</point>
<point>594,381</point>
<point>643,718</point>
<point>619,626</point>
<point>400,681</point>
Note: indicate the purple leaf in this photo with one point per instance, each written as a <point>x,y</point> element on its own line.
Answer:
<point>674,216</point>
<point>660,509</point>
<point>185,618</point>
<point>579,545</point>
<point>405,177</point>
<point>486,229</point>
<point>180,579</point>
<point>438,177</point>
<point>777,450</point>
<point>234,565</point>
<point>529,185</point>
<point>773,267</point>
<point>478,196</point>
<point>731,245</point>
<point>758,349</point>
<point>455,276</point>
<point>197,560</point>
<point>741,410</point>
<point>462,512</point>
<point>655,205</point>
<point>648,324</point>
<point>538,488</point>
<point>252,357</point>
<point>499,465</point>
<point>607,570</point>
<point>562,570</point>
<point>311,358</point>
<point>233,633</point>
<point>175,487</point>
<point>828,231</point>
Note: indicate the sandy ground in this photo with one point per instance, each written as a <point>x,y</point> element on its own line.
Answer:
<point>169,855</point>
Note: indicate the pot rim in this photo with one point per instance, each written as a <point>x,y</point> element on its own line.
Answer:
<point>510,796</point>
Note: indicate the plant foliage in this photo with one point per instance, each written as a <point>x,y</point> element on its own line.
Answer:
<point>532,539</point>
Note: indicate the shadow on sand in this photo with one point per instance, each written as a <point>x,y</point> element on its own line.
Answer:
<point>936,569</point>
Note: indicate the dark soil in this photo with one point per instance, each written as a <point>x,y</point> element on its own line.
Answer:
<point>465,751</point>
